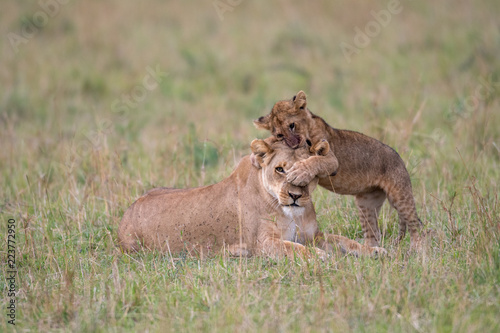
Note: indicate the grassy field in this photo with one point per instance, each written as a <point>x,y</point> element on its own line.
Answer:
<point>101,101</point>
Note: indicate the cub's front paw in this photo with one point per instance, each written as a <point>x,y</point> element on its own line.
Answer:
<point>299,174</point>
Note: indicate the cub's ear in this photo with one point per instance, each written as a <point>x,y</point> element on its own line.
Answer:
<point>263,122</point>
<point>259,150</point>
<point>321,148</point>
<point>300,101</point>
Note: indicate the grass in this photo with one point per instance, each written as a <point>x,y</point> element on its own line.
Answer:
<point>70,163</point>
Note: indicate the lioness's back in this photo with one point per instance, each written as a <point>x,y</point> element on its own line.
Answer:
<point>176,219</point>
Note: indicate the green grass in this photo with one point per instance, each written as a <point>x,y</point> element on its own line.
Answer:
<point>70,164</point>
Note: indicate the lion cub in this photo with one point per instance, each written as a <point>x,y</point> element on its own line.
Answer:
<point>356,165</point>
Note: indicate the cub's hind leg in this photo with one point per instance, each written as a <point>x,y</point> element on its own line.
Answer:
<point>401,198</point>
<point>369,205</point>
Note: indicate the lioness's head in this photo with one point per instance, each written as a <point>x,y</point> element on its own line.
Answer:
<point>275,158</point>
<point>288,120</point>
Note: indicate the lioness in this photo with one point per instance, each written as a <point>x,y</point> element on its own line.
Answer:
<point>254,211</point>
<point>357,165</point>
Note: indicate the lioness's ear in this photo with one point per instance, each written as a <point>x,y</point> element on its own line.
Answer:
<point>263,122</point>
<point>259,149</point>
<point>300,101</point>
<point>321,148</point>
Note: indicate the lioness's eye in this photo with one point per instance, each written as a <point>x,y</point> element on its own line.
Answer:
<point>292,126</point>
<point>280,170</point>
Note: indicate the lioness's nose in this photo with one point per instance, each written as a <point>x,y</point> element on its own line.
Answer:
<point>294,196</point>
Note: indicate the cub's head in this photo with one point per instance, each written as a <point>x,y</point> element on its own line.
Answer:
<point>275,158</point>
<point>288,120</point>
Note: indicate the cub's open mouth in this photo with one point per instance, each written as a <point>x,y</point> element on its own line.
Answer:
<point>293,141</point>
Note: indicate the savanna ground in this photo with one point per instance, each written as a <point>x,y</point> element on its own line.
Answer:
<point>74,155</point>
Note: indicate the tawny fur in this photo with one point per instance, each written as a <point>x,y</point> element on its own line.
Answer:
<point>249,212</point>
<point>357,165</point>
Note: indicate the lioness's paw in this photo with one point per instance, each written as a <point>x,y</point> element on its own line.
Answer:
<point>239,250</point>
<point>321,254</point>
<point>299,174</point>
<point>378,252</point>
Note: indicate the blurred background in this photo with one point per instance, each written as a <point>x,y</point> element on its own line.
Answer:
<point>101,101</point>
<point>110,98</point>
